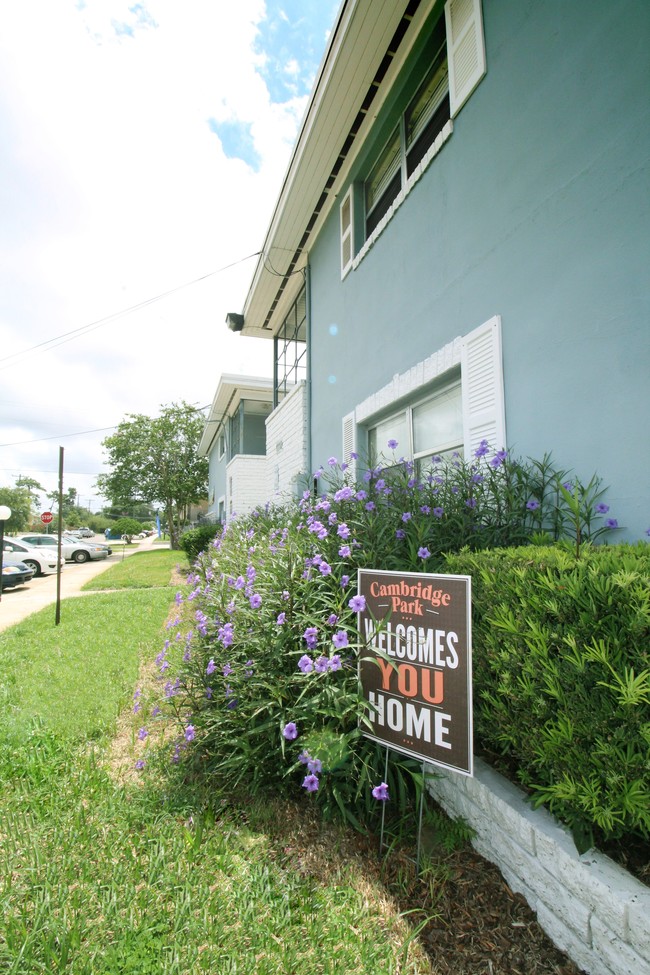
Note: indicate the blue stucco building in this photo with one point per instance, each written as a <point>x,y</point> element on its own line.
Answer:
<point>460,250</point>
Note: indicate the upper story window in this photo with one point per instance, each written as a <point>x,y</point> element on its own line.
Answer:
<point>425,116</point>
<point>290,350</point>
<point>455,65</point>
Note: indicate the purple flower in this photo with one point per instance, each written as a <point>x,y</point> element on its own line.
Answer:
<point>370,506</point>
<point>400,533</point>
<point>423,552</point>
<point>482,449</point>
<point>602,509</point>
<point>345,551</point>
<point>647,531</point>
<point>532,505</point>
<point>380,792</point>
<point>471,502</point>
<point>281,618</point>
<point>392,445</point>
<point>290,731</point>
<point>340,639</point>
<point>344,581</point>
<point>499,458</point>
<point>357,604</point>
<point>311,636</point>
<point>140,764</point>
<point>343,531</point>
<point>325,568</point>
<point>226,670</point>
<point>210,669</point>
<point>255,601</point>
<point>156,711</point>
<point>240,582</point>
<point>438,512</point>
<point>321,665</point>
<point>425,509</point>
<point>332,461</point>
<point>611,523</point>
<point>142,734</point>
<point>190,733</point>
<point>406,516</point>
<point>310,783</point>
<point>314,765</point>
<point>335,662</point>
<point>232,704</point>
<point>344,494</point>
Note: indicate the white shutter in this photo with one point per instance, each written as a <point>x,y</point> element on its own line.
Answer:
<point>482,388</point>
<point>465,50</point>
<point>350,442</point>
<point>347,227</point>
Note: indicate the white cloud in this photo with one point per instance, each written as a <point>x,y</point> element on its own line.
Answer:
<point>114,190</point>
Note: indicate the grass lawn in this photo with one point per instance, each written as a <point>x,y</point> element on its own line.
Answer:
<point>141,570</point>
<point>105,873</point>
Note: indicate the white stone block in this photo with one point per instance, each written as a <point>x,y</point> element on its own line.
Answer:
<point>564,938</point>
<point>620,957</point>
<point>638,921</point>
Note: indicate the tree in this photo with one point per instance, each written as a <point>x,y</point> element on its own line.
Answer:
<point>21,509</point>
<point>155,460</point>
<point>68,501</point>
<point>126,528</point>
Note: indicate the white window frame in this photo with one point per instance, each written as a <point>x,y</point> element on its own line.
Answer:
<point>479,355</point>
<point>467,66</point>
<point>407,450</point>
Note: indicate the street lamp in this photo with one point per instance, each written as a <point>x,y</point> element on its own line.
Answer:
<point>5,515</point>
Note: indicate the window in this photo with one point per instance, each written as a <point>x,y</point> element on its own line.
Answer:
<point>222,446</point>
<point>290,350</point>
<point>456,64</point>
<point>450,401</point>
<point>432,426</point>
<point>425,116</point>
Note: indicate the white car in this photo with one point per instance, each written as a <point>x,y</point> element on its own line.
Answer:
<point>72,549</point>
<point>41,560</point>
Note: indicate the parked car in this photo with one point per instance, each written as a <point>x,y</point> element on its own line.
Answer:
<point>14,573</point>
<point>41,560</point>
<point>72,549</point>
<point>81,532</point>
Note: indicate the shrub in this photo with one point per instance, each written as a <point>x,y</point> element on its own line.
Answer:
<point>125,528</point>
<point>562,679</point>
<point>196,540</point>
<point>261,670</point>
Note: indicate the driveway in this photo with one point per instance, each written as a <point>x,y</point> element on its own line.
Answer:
<point>16,604</point>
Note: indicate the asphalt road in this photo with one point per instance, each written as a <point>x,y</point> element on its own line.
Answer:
<point>16,604</point>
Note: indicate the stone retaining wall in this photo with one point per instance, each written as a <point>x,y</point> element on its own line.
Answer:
<point>590,907</point>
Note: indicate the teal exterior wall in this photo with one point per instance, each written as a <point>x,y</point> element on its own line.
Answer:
<point>537,210</point>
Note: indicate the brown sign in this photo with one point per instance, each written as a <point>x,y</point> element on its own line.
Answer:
<point>416,664</point>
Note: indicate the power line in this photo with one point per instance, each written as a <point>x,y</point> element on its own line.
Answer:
<point>81,433</point>
<point>57,340</point>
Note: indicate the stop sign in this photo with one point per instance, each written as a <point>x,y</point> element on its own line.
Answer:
<point>46,517</point>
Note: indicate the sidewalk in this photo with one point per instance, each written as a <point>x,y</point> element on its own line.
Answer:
<point>17,604</point>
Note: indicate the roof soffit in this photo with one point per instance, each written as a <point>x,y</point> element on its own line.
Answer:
<point>356,53</point>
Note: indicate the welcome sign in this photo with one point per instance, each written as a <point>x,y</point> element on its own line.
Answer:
<point>416,664</point>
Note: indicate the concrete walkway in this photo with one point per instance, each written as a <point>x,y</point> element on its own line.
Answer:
<point>19,603</point>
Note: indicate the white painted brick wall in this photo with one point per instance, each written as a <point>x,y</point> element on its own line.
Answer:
<point>248,475</point>
<point>592,909</point>
<point>286,444</point>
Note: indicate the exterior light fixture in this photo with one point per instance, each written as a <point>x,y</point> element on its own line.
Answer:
<point>234,321</point>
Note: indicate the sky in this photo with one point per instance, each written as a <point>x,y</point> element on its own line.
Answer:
<point>142,150</point>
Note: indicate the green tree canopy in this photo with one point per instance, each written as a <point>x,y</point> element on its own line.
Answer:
<point>155,460</point>
<point>19,501</point>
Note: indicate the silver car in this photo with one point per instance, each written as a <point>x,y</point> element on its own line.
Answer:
<point>72,549</point>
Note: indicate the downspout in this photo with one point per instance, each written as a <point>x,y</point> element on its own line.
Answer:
<point>308,405</point>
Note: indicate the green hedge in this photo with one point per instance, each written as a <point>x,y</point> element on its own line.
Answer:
<point>196,540</point>
<point>562,679</point>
